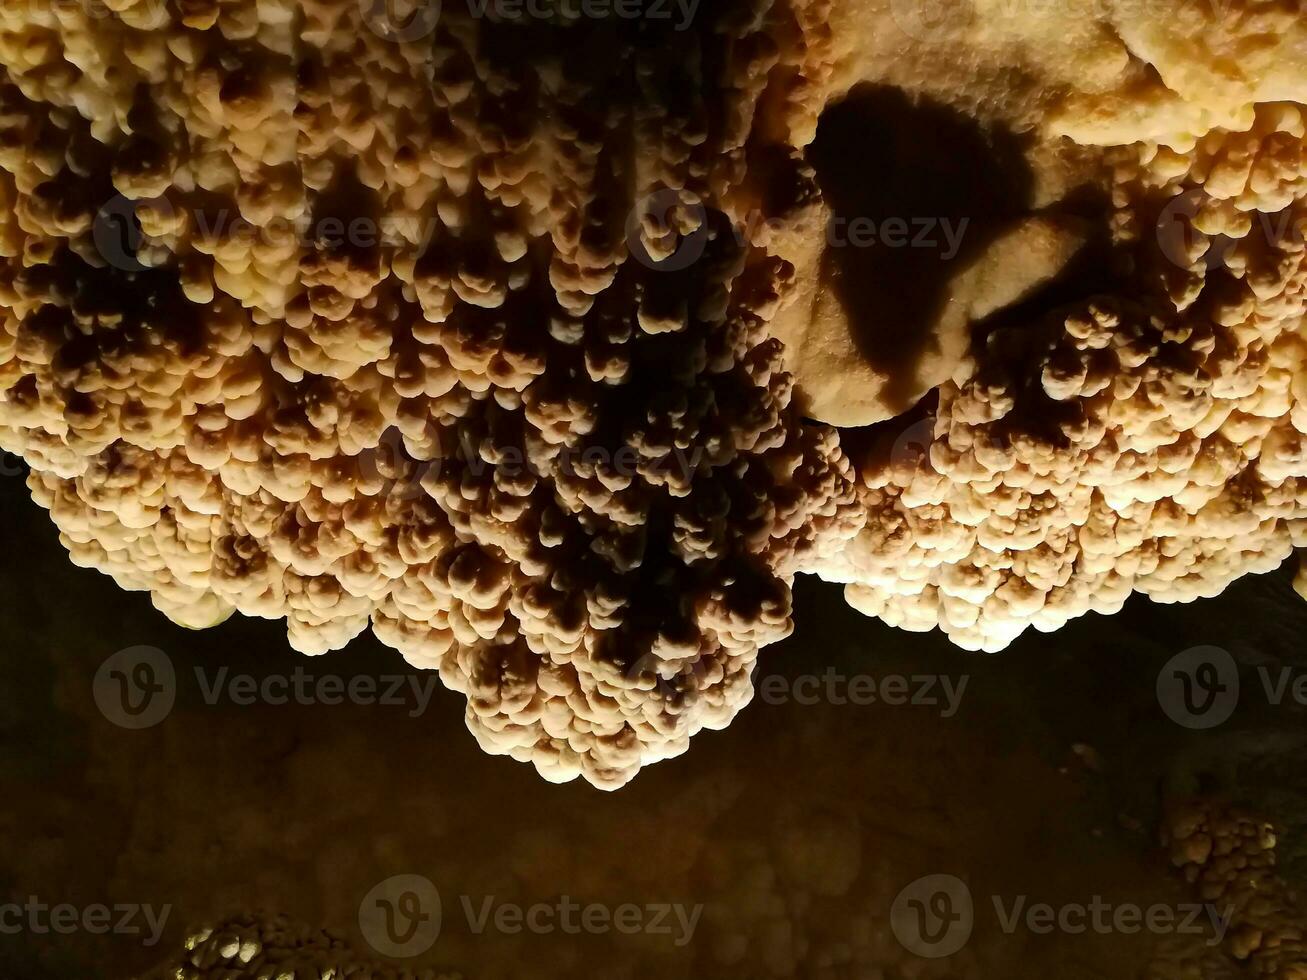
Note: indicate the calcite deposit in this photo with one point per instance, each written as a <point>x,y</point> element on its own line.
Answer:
<point>522,340</point>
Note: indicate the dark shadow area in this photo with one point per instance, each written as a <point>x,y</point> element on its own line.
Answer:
<point>1095,269</point>
<point>346,221</point>
<point>910,170</point>
<point>301,808</point>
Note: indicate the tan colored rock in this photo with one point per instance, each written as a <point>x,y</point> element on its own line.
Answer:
<point>837,383</point>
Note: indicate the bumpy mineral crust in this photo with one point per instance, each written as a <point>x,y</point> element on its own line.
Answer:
<point>258,946</point>
<point>401,343</point>
<point>1149,440</point>
<point>1228,856</point>
<point>458,326</point>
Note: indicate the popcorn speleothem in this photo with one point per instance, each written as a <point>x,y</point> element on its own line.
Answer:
<point>352,315</point>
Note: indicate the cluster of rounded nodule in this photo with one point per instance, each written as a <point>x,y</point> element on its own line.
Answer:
<point>1151,440</point>
<point>309,316</point>
<point>1229,858</point>
<point>257,946</point>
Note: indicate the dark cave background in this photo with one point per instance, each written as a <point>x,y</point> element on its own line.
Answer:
<point>1049,778</point>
